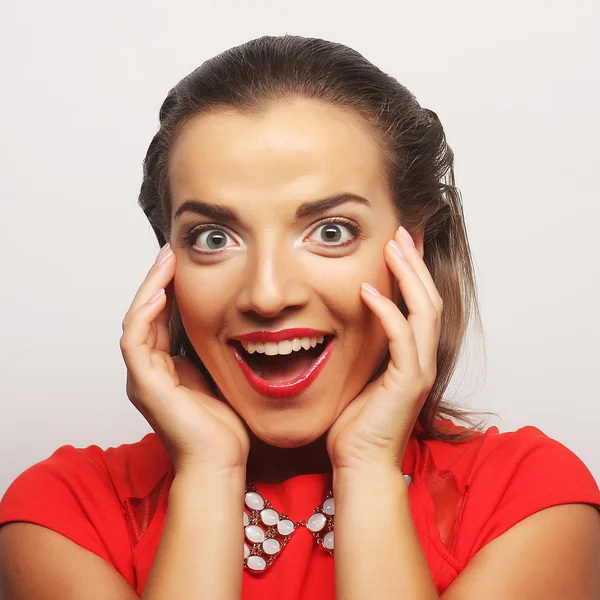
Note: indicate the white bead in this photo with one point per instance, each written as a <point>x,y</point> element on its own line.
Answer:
<point>316,522</point>
<point>246,551</point>
<point>246,519</point>
<point>408,479</point>
<point>269,516</point>
<point>256,563</point>
<point>285,527</point>
<point>328,541</point>
<point>254,501</point>
<point>271,546</point>
<point>255,534</point>
<point>329,506</point>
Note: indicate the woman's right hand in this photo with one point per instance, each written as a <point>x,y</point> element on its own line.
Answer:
<point>196,429</point>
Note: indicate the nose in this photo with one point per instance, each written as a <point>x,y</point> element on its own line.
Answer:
<point>273,281</point>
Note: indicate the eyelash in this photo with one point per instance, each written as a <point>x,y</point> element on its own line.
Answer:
<point>194,232</point>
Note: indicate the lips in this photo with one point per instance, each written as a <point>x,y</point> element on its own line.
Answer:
<point>304,366</point>
<point>281,335</point>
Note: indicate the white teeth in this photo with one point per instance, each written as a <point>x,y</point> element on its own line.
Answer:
<point>271,348</point>
<point>284,347</point>
<point>252,347</point>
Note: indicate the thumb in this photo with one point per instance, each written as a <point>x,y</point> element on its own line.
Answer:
<point>189,376</point>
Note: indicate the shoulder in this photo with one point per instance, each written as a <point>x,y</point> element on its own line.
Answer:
<point>137,468</point>
<point>128,470</point>
<point>503,478</point>
<point>86,494</point>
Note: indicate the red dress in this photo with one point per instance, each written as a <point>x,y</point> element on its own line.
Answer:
<point>112,502</point>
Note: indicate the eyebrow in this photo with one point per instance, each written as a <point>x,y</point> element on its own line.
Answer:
<point>306,209</point>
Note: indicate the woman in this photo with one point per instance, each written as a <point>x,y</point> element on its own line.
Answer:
<point>314,286</point>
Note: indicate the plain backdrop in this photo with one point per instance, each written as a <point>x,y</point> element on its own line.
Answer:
<point>516,85</point>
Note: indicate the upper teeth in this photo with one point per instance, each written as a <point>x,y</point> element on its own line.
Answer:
<point>285,347</point>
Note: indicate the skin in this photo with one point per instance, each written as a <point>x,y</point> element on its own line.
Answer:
<point>275,270</point>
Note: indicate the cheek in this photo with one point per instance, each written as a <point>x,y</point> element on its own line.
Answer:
<point>364,337</point>
<point>339,287</point>
<point>202,296</point>
<point>343,279</point>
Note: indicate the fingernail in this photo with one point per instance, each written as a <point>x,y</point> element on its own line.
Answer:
<point>370,289</point>
<point>164,253</point>
<point>407,236</point>
<point>396,248</point>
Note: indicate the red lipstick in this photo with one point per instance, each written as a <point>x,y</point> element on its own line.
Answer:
<point>284,389</point>
<point>281,335</point>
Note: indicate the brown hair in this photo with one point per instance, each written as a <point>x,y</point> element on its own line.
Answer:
<point>419,167</point>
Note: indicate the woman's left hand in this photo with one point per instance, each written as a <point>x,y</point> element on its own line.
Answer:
<point>374,429</point>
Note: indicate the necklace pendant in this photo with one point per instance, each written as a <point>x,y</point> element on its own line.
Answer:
<point>320,523</point>
<point>267,532</point>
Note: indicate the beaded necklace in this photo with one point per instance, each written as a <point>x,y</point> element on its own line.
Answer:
<point>267,531</point>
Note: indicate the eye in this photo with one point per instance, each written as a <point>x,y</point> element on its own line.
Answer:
<point>335,232</point>
<point>208,239</point>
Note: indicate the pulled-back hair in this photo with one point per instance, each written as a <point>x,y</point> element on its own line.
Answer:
<point>418,161</point>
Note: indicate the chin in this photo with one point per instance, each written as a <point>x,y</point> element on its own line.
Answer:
<point>290,438</point>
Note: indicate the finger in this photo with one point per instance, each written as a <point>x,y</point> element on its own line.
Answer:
<point>163,336</point>
<point>413,289</point>
<point>402,347</point>
<point>160,337</point>
<point>423,317</point>
<point>159,276</point>
<point>416,261</point>
<point>134,342</point>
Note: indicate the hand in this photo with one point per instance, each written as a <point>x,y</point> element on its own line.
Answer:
<point>196,428</point>
<point>374,429</point>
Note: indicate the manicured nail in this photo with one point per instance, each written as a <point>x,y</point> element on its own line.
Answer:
<point>164,253</point>
<point>396,248</point>
<point>407,236</point>
<point>370,289</point>
<point>156,296</point>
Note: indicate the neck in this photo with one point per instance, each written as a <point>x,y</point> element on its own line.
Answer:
<point>272,464</point>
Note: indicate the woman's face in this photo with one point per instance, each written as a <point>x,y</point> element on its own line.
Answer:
<point>277,220</point>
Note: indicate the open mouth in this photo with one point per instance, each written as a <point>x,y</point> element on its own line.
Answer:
<point>283,361</point>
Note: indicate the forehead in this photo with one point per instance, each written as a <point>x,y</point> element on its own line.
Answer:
<point>290,152</point>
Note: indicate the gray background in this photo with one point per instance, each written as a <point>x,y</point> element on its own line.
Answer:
<point>516,85</point>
